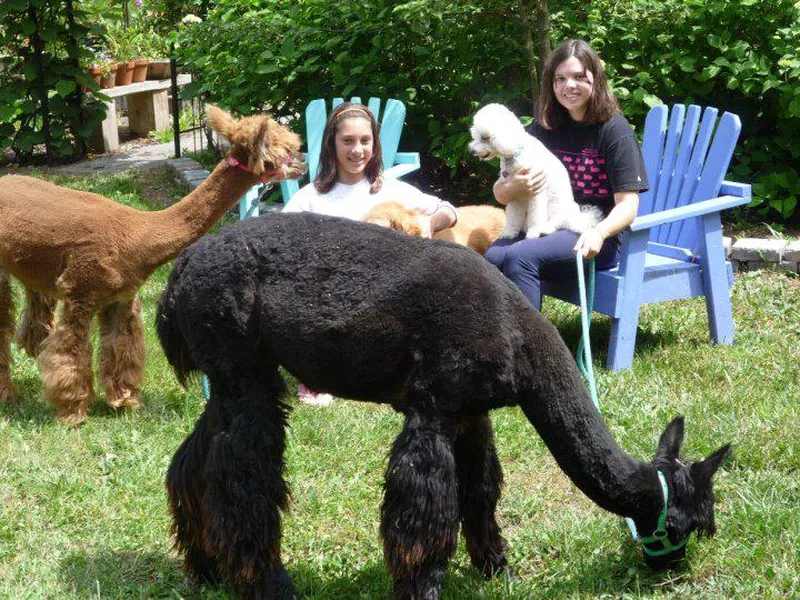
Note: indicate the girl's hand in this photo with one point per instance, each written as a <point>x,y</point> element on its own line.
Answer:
<point>590,242</point>
<point>426,228</point>
<point>522,184</point>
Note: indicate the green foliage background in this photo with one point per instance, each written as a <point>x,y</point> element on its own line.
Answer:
<point>444,58</point>
<point>43,47</point>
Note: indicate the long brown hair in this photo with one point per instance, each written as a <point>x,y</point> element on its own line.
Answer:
<point>602,103</point>
<point>327,174</point>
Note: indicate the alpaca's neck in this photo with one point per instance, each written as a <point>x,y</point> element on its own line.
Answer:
<point>169,231</point>
<point>578,438</point>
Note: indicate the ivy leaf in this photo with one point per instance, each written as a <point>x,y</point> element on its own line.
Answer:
<point>65,87</point>
<point>6,112</point>
<point>30,71</point>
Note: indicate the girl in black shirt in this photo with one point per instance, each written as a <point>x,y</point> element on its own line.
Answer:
<point>577,119</point>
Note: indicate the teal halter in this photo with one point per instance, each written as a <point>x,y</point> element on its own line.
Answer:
<point>659,536</point>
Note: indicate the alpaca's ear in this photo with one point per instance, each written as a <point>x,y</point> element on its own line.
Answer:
<point>669,446</point>
<point>220,121</point>
<point>703,471</point>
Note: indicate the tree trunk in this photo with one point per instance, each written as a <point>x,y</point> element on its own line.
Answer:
<point>536,39</point>
<point>75,98</point>
<point>44,104</point>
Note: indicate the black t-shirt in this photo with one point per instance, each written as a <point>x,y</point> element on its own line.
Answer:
<point>601,159</point>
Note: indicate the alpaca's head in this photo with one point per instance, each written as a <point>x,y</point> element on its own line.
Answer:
<point>495,132</point>
<point>690,505</point>
<point>394,216</point>
<point>261,143</point>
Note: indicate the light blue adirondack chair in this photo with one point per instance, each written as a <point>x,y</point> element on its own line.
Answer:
<point>395,164</point>
<point>673,249</point>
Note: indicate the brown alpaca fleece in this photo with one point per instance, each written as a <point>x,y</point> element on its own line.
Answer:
<point>478,226</point>
<point>93,254</point>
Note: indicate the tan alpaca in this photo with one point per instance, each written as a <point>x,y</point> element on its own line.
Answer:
<point>93,255</point>
<point>477,227</point>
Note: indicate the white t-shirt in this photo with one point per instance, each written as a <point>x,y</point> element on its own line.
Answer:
<point>354,201</point>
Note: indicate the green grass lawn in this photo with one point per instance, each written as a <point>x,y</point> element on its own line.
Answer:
<point>83,513</point>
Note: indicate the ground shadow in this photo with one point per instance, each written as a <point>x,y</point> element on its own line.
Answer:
<point>126,574</point>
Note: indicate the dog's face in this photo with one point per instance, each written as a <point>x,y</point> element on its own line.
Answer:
<point>394,216</point>
<point>495,132</point>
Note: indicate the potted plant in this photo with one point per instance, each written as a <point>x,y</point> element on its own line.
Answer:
<point>107,69</point>
<point>123,46</point>
<point>153,47</point>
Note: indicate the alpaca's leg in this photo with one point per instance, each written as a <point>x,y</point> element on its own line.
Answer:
<point>37,322</point>
<point>7,392</point>
<point>186,487</point>
<point>65,363</point>
<point>122,353</point>
<point>233,475</point>
<point>479,481</point>
<point>419,515</point>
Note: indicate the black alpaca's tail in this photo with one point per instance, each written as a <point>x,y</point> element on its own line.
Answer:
<point>169,332</point>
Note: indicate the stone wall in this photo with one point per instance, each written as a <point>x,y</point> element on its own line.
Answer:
<point>748,254</point>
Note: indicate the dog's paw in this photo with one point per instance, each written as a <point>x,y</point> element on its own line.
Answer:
<point>533,234</point>
<point>547,230</point>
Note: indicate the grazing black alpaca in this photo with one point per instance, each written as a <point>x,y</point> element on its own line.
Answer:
<point>429,327</point>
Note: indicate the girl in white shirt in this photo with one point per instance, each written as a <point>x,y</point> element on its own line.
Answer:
<point>350,182</point>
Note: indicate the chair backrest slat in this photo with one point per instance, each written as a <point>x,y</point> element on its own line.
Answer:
<point>670,234</point>
<point>713,173</point>
<point>655,130</point>
<point>394,115</point>
<point>316,116</point>
<point>681,166</point>
<point>669,156</point>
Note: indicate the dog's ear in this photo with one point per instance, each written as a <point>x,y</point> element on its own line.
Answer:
<point>220,121</point>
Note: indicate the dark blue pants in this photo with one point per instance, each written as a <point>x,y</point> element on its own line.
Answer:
<point>527,262</point>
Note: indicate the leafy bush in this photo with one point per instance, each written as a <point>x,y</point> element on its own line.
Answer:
<point>40,98</point>
<point>741,56</point>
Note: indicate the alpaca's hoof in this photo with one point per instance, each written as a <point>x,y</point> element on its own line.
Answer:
<point>124,398</point>
<point>7,391</point>
<point>277,584</point>
<point>72,419</point>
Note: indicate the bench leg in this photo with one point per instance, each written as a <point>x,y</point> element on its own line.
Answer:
<point>105,138</point>
<point>148,111</point>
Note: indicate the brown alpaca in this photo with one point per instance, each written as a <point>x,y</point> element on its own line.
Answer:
<point>477,226</point>
<point>93,255</point>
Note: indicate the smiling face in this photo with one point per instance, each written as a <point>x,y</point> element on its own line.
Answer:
<point>353,149</point>
<point>572,86</point>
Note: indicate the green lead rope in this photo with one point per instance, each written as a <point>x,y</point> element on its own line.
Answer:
<point>584,353</point>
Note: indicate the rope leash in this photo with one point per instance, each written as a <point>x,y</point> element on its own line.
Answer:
<point>583,355</point>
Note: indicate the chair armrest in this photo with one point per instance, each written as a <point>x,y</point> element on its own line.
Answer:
<point>734,188</point>
<point>687,212</point>
<point>404,163</point>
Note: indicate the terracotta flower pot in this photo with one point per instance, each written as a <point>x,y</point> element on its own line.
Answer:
<point>109,80</point>
<point>140,70</point>
<point>159,69</point>
<point>94,73</point>
<point>124,73</point>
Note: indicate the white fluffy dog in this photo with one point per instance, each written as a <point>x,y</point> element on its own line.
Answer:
<point>496,132</point>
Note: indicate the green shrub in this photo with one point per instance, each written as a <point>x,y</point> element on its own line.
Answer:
<point>41,104</point>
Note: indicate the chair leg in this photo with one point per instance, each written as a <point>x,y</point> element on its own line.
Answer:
<point>715,282</point>
<point>623,328</point>
<point>622,342</point>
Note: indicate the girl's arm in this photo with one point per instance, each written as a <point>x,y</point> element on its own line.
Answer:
<point>523,184</point>
<point>626,205</point>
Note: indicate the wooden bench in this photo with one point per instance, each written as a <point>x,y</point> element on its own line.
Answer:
<point>148,110</point>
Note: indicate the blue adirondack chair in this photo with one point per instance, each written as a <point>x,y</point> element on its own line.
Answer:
<point>395,164</point>
<point>673,249</point>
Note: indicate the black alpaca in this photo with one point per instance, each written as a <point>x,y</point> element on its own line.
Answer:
<point>429,327</point>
